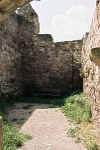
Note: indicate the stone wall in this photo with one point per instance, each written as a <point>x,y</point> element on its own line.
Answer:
<point>91,72</point>
<point>49,65</point>
<point>15,33</point>
<point>10,57</point>
<point>30,61</point>
<point>68,62</point>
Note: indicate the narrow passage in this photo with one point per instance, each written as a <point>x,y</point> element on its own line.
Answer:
<point>49,127</point>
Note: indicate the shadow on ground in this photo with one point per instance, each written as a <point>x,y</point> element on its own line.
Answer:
<point>22,111</point>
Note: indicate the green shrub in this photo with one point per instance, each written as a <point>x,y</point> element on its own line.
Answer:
<point>77,108</point>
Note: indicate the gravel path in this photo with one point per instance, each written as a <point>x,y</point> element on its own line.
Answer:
<point>49,127</point>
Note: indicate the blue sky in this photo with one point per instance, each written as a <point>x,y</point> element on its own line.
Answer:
<point>65,20</point>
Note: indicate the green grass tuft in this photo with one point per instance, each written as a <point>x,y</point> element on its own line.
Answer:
<point>11,135</point>
<point>13,138</point>
<point>77,108</point>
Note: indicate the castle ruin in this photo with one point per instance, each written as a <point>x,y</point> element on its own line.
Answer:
<point>29,60</point>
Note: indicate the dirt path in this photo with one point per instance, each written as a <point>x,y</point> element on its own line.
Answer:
<point>47,125</point>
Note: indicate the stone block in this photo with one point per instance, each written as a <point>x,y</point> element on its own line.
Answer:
<point>95,56</point>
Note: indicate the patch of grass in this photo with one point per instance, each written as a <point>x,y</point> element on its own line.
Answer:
<point>90,138</point>
<point>91,143</point>
<point>83,133</point>
<point>73,132</point>
<point>52,101</point>
<point>77,108</point>
<point>12,137</point>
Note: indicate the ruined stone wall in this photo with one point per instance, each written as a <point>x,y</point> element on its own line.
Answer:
<point>91,72</point>
<point>49,65</point>
<point>10,58</point>
<point>30,61</point>
<point>15,35</point>
<point>36,62</point>
<point>28,27</point>
<point>68,64</point>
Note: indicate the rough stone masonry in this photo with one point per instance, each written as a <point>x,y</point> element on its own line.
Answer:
<point>30,61</point>
<point>91,72</point>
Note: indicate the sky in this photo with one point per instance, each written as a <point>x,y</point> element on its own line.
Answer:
<point>65,20</point>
